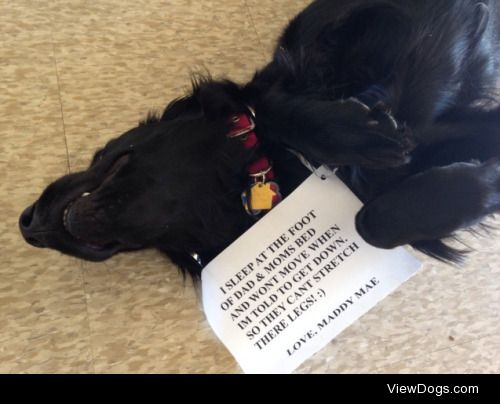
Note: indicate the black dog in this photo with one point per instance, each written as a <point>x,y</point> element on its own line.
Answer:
<point>398,94</point>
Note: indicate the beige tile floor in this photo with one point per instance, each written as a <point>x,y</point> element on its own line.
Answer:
<point>75,73</point>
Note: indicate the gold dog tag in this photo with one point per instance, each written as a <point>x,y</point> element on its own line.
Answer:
<point>261,196</point>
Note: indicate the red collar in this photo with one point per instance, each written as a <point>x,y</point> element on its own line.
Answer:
<point>263,192</point>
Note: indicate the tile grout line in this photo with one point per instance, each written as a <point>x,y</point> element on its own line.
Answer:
<point>82,273</point>
<point>252,21</point>
<point>60,101</point>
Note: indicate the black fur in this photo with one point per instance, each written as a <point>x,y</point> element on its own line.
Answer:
<point>400,95</point>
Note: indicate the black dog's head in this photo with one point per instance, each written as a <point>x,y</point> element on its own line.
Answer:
<point>170,183</point>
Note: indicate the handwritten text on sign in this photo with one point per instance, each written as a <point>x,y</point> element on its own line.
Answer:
<point>298,278</point>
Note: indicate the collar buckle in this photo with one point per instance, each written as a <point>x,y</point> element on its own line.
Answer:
<point>243,124</point>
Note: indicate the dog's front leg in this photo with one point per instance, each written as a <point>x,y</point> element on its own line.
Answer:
<point>461,135</point>
<point>337,133</point>
<point>431,206</point>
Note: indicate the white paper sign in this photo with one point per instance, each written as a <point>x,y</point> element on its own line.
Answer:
<point>298,278</point>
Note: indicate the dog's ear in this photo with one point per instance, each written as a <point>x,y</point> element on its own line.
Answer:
<point>218,99</point>
<point>213,99</point>
<point>182,108</point>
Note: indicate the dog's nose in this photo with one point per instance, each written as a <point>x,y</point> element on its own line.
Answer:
<point>28,230</point>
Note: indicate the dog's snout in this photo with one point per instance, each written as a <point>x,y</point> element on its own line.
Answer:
<point>28,230</point>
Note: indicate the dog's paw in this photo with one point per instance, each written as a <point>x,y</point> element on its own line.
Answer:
<point>384,142</point>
